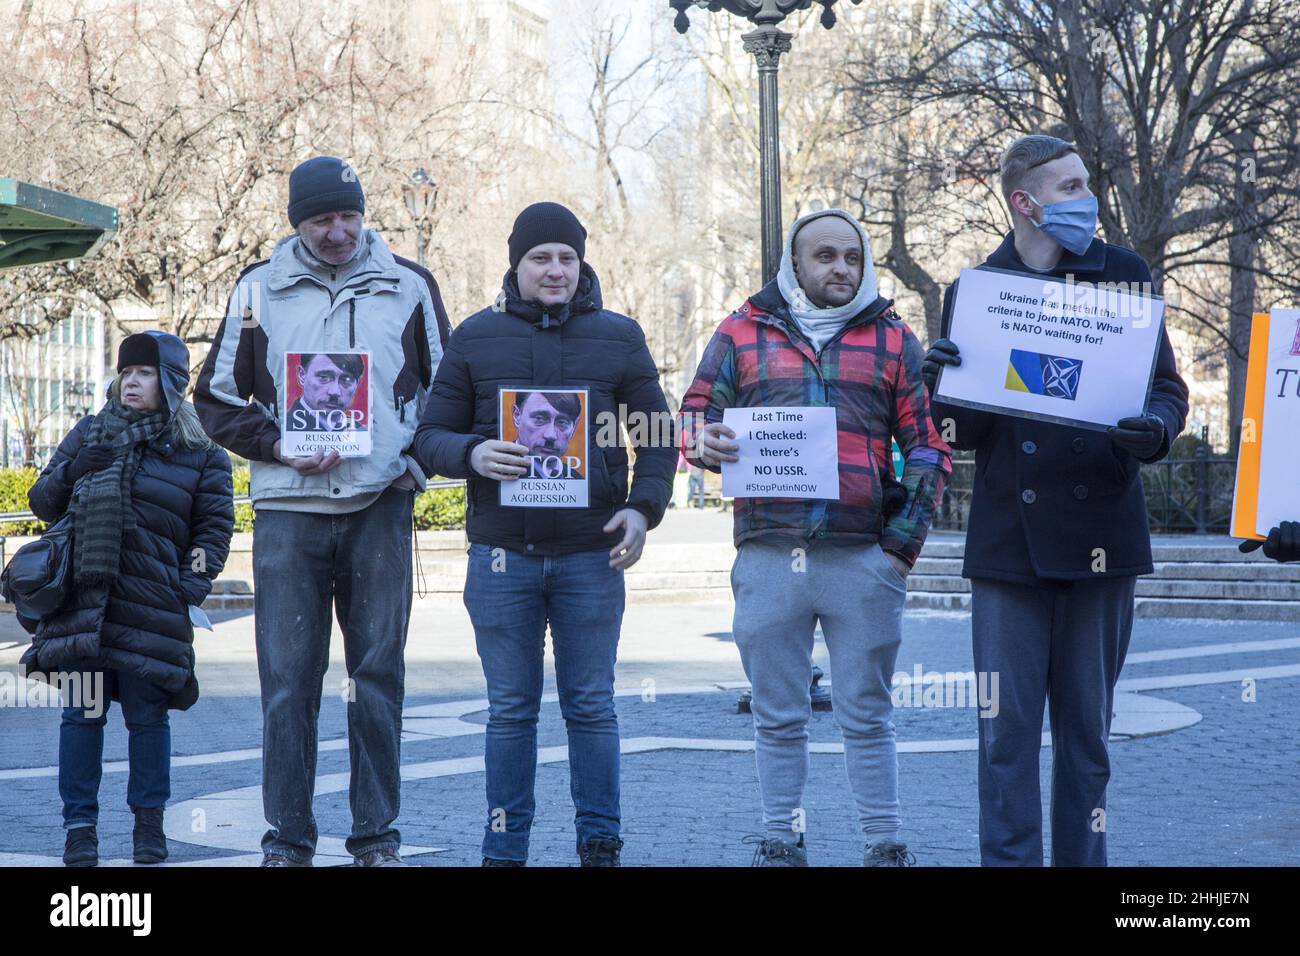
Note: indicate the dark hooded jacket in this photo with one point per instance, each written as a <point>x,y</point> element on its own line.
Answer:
<point>580,344</point>
<point>184,517</point>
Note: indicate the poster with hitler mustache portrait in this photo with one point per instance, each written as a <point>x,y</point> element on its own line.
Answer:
<point>326,404</point>
<point>552,424</point>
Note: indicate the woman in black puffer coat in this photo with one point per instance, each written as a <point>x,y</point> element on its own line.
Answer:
<point>153,514</point>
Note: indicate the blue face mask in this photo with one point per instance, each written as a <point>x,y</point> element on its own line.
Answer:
<point>1071,222</point>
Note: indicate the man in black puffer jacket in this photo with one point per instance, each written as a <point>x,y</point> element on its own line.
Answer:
<point>531,565</point>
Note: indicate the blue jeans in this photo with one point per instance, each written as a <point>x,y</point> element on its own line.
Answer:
<point>695,490</point>
<point>306,567</point>
<point>149,749</point>
<point>510,598</point>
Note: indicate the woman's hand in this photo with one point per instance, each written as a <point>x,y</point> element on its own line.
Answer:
<point>89,458</point>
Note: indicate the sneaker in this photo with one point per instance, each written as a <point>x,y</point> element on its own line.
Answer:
<point>600,851</point>
<point>379,856</point>
<point>493,861</point>
<point>279,859</point>
<point>81,847</point>
<point>773,851</point>
<point>888,854</point>
<point>150,843</point>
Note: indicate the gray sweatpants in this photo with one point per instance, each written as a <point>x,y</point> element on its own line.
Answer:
<point>782,589</point>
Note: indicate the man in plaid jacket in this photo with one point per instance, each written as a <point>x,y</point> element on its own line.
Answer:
<point>820,335</point>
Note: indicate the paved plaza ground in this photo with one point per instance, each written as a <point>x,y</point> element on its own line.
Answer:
<point>1201,774</point>
<point>1222,789</point>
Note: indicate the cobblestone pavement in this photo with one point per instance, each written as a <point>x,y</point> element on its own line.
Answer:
<point>1225,790</point>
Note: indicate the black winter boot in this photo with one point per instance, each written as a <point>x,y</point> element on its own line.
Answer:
<point>150,843</point>
<point>600,851</point>
<point>81,847</point>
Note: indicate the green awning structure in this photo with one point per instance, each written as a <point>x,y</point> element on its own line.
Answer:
<point>41,225</point>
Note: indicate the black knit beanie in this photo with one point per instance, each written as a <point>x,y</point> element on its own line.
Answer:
<point>544,222</point>
<point>323,184</point>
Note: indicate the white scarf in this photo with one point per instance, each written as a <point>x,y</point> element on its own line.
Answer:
<point>822,325</point>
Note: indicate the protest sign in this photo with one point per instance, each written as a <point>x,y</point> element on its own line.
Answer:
<point>786,452</point>
<point>1268,458</point>
<point>327,404</point>
<point>1074,353</point>
<point>552,424</point>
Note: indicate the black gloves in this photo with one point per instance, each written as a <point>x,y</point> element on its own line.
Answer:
<point>1141,436</point>
<point>1283,543</point>
<point>89,458</point>
<point>893,493</point>
<point>943,352</point>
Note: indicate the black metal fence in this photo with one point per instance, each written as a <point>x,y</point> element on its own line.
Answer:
<point>1184,495</point>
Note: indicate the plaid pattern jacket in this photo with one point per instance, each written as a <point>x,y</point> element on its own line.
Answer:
<point>871,374</point>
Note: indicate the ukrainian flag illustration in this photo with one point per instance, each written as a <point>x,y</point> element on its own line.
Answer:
<point>1039,374</point>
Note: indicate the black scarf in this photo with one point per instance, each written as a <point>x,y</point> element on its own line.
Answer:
<point>102,500</point>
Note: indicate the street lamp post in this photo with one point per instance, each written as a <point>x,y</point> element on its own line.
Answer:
<point>421,196</point>
<point>767,42</point>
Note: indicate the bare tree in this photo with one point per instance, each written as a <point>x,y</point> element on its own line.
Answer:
<point>189,119</point>
<point>644,233</point>
<point>1184,113</point>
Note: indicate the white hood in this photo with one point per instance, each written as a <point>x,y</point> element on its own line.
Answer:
<point>821,325</point>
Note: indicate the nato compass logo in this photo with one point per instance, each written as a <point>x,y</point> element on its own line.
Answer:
<point>1038,374</point>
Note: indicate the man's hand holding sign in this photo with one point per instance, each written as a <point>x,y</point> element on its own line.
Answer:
<point>318,464</point>
<point>508,461</point>
<point>499,460</point>
<point>716,445</point>
<point>792,451</point>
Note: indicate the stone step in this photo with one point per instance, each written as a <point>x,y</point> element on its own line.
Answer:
<point>920,597</point>
<point>1145,607</point>
<point>1226,554</point>
<point>937,600</point>
<point>1168,562</point>
<point>232,586</point>
<point>1244,589</point>
<point>1242,568</point>
<point>229,602</point>
<point>1241,589</point>
<point>1227,570</point>
<point>1219,610</point>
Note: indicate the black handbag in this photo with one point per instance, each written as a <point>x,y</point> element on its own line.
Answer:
<point>38,578</point>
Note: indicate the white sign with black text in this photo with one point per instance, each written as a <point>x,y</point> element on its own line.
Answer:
<point>787,452</point>
<point>1074,353</point>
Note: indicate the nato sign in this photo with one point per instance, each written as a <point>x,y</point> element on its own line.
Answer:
<point>1041,374</point>
<point>1074,353</point>
<point>40,225</point>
